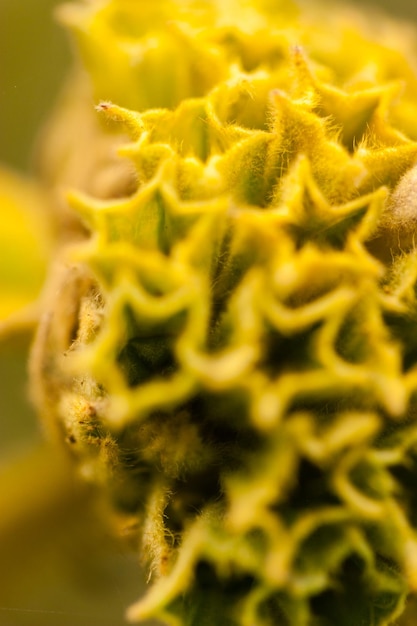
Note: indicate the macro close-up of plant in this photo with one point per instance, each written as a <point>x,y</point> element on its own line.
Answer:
<point>215,262</point>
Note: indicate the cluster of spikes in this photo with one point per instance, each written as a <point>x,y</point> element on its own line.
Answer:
<point>232,351</point>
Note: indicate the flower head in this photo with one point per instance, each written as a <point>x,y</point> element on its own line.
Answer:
<point>231,353</point>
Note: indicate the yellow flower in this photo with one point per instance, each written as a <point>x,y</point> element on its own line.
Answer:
<point>231,352</point>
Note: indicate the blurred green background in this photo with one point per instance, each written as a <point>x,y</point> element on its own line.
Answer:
<point>57,576</point>
<point>34,55</point>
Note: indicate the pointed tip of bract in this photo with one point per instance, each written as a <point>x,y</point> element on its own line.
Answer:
<point>130,120</point>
